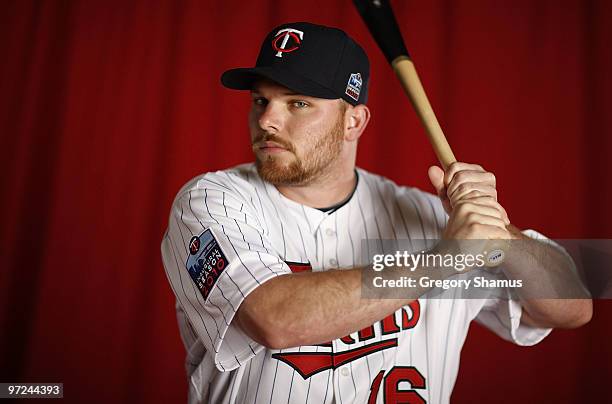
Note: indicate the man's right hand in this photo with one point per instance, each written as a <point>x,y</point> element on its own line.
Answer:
<point>472,206</point>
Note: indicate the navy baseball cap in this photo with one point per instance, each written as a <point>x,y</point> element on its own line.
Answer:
<point>310,59</point>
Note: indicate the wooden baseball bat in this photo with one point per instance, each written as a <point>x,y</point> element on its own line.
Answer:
<point>378,17</point>
<point>380,20</point>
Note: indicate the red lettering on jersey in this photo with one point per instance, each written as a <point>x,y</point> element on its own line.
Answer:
<point>310,363</point>
<point>296,267</point>
<point>393,395</point>
<point>342,358</point>
<point>307,363</point>
<point>407,324</point>
<point>389,326</point>
<point>375,387</point>
<point>366,333</point>
<point>347,339</point>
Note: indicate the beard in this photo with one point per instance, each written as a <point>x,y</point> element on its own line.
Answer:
<point>311,165</point>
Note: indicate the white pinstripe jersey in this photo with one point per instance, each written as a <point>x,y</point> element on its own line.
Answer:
<point>243,232</point>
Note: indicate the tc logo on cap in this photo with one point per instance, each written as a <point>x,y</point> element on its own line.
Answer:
<point>283,36</point>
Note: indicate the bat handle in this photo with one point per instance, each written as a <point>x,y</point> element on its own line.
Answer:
<point>405,71</point>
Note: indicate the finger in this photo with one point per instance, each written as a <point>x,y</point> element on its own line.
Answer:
<point>474,205</point>
<point>487,201</point>
<point>473,212</point>
<point>457,166</point>
<point>468,187</point>
<point>480,218</point>
<point>436,176</point>
<point>484,201</point>
<point>505,214</point>
<point>468,176</point>
<point>475,195</point>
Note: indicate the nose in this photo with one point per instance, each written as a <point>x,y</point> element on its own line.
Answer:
<point>270,119</point>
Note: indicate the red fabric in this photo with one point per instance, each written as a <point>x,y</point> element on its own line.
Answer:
<point>108,107</point>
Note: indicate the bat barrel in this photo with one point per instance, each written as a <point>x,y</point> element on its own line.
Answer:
<point>378,17</point>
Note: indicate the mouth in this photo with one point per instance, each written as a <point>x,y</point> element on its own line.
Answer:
<point>269,147</point>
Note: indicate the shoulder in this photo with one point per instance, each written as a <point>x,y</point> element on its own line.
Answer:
<point>240,182</point>
<point>223,196</point>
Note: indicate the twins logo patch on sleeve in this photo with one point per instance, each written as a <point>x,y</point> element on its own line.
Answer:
<point>206,261</point>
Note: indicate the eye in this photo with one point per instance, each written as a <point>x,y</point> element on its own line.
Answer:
<point>260,101</point>
<point>300,104</point>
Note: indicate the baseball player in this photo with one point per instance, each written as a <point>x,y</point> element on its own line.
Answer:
<point>266,259</point>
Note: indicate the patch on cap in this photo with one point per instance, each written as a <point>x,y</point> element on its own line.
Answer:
<point>281,40</point>
<point>353,87</point>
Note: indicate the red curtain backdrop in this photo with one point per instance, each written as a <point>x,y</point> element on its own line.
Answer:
<point>108,107</point>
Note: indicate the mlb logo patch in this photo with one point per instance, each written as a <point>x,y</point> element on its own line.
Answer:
<point>353,87</point>
<point>206,262</point>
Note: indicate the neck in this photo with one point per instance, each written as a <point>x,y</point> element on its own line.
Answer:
<point>323,192</point>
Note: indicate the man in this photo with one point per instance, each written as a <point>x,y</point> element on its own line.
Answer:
<point>266,260</point>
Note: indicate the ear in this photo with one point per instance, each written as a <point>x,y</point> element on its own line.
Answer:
<point>356,119</point>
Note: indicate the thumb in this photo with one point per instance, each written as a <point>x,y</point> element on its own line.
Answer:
<point>436,176</point>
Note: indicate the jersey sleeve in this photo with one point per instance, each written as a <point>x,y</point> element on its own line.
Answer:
<point>503,316</point>
<point>215,252</point>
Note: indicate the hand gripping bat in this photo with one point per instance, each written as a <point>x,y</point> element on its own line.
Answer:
<point>379,19</point>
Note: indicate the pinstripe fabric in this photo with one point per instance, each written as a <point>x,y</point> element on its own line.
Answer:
<point>259,230</point>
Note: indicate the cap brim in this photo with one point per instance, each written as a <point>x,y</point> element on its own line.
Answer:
<point>244,78</point>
